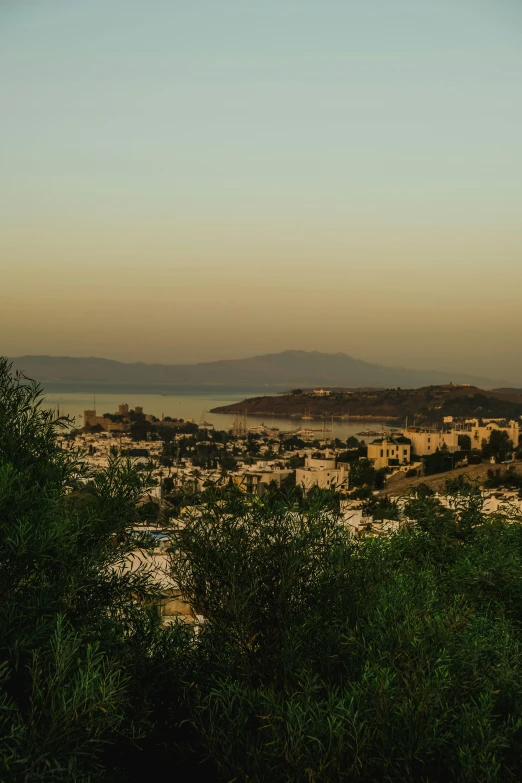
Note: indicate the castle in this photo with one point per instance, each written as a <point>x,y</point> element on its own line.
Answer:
<point>116,422</point>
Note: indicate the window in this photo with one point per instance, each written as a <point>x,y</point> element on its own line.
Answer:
<point>382,452</point>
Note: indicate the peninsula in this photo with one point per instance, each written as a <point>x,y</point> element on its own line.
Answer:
<point>429,404</point>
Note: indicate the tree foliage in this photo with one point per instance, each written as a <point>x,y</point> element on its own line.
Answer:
<point>317,656</point>
<point>326,658</point>
<point>498,446</point>
<point>76,635</point>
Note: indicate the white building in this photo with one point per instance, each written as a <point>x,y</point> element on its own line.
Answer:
<point>323,473</point>
<point>478,432</point>
<point>256,479</point>
<point>424,442</point>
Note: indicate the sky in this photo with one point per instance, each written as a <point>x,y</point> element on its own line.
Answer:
<point>188,181</point>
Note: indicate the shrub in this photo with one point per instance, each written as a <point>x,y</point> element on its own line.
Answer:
<point>76,646</point>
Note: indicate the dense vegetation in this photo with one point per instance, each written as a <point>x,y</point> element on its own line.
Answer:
<point>76,648</point>
<point>394,658</point>
<point>320,657</point>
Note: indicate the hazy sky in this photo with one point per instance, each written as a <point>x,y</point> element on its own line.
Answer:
<point>183,181</point>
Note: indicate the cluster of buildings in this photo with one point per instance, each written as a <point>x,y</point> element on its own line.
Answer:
<point>397,450</point>
<point>478,432</point>
<point>253,477</point>
<point>409,445</point>
<point>357,518</point>
<point>173,606</point>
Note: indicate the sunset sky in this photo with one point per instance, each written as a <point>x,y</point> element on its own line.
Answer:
<point>185,181</point>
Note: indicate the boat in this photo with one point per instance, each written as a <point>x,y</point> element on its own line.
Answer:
<point>312,434</point>
<point>203,422</point>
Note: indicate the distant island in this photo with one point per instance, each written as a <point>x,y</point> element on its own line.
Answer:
<point>273,372</point>
<point>428,404</point>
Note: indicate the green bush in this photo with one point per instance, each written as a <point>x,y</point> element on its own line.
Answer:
<point>77,639</point>
<point>319,657</point>
<point>326,658</point>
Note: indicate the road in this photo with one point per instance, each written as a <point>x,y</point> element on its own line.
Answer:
<point>398,484</point>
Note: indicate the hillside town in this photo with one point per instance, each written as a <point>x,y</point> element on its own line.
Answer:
<point>371,480</point>
<point>187,458</point>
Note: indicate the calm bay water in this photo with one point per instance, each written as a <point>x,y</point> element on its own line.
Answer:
<point>194,406</point>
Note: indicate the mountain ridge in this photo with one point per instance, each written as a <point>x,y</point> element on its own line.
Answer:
<point>284,370</point>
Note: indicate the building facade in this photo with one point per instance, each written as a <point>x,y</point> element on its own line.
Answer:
<point>424,442</point>
<point>477,433</point>
<point>389,453</point>
<point>256,480</point>
<point>323,473</point>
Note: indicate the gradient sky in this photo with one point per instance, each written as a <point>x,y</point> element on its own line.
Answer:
<point>184,181</point>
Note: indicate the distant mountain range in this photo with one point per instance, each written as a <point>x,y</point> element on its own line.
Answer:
<point>276,371</point>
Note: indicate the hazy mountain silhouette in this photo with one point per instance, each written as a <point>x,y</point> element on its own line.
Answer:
<point>288,369</point>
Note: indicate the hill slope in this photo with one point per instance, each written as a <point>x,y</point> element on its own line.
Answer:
<point>427,405</point>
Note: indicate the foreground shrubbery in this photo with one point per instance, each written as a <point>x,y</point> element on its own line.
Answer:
<point>325,659</point>
<point>320,659</point>
<point>76,648</point>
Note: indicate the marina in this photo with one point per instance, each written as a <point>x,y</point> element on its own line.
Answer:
<point>195,407</point>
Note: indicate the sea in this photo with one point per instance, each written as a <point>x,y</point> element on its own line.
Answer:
<point>195,405</point>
